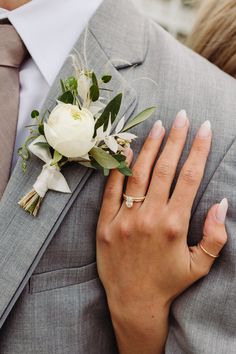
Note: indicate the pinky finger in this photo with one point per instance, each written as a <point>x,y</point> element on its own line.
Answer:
<point>113,193</point>
<point>214,239</point>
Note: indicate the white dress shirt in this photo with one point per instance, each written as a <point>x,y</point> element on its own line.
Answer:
<point>49,29</point>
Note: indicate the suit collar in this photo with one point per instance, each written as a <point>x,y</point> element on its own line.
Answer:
<point>126,42</point>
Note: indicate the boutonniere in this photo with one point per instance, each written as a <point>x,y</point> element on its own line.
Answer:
<point>78,129</point>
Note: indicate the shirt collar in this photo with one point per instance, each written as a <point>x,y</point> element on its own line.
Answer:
<point>49,29</point>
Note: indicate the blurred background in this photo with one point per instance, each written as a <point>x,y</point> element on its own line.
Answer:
<point>176,16</point>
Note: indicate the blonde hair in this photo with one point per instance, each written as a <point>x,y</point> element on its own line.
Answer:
<point>214,35</point>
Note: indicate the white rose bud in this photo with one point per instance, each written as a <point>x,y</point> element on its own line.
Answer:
<point>69,130</point>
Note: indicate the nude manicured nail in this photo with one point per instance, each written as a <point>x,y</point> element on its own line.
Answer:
<point>221,210</point>
<point>127,152</point>
<point>180,119</point>
<point>156,130</point>
<point>204,130</point>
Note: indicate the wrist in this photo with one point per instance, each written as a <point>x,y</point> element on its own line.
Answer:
<point>141,330</point>
<point>137,317</point>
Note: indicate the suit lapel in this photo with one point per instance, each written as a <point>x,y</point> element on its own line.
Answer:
<point>23,239</point>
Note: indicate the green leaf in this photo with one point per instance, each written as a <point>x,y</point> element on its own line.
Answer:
<point>62,86</point>
<point>71,83</point>
<point>42,144</point>
<point>104,159</point>
<point>141,117</point>
<point>95,165</point>
<point>125,171</point>
<point>66,97</point>
<point>94,89</point>
<point>41,129</point>
<point>34,114</point>
<point>106,78</point>
<point>123,164</point>
<point>23,166</point>
<point>94,93</point>
<point>56,157</point>
<point>106,172</point>
<point>111,110</point>
<point>24,153</point>
<point>119,157</point>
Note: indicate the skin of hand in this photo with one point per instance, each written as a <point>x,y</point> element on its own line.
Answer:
<point>143,258</point>
<point>12,4</point>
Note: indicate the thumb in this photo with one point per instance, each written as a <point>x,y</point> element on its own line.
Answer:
<point>214,239</point>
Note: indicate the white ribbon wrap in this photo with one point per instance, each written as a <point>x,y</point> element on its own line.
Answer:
<point>50,177</point>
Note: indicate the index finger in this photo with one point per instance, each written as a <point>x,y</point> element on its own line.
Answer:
<point>193,170</point>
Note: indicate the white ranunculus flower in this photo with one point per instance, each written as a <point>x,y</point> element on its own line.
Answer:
<point>69,130</point>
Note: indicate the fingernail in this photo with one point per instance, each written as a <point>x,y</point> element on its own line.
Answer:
<point>221,210</point>
<point>180,119</point>
<point>127,152</point>
<point>204,130</point>
<point>156,130</point>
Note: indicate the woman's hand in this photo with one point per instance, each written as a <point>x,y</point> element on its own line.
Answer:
<point>143,258</point>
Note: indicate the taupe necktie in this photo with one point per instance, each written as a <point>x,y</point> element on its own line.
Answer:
<point>12,54</point>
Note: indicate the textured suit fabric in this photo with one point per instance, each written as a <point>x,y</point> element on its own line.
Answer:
<point>51,300</point>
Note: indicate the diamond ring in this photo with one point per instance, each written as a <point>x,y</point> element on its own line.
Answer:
<point>129,200</point>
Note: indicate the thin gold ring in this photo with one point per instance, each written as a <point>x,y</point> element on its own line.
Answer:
<point>129,200</point>
<point>208,253</point>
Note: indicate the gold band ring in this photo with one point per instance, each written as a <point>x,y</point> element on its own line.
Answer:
<point>129,200</point>
<point>208,253</point>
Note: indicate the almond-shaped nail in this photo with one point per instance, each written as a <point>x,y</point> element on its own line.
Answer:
<point>205,130</point>
<point>221,210</point>
<point>180,119</point>
<point>156,130</point>
<point>127,152</point>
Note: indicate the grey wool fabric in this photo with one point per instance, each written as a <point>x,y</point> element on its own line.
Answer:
<point>51,300</point>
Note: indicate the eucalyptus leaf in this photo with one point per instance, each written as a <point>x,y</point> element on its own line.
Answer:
<point>56,157</point>
<point>66,97</point>
<point>42,144</point>
<point>125,171</point>
<point>110,112</point>
<point>103,158</point>
<point>119,157</point>
<point>123,164</point>
<point>106,172</point>
<point>96,165</point>
<point>141,117</point>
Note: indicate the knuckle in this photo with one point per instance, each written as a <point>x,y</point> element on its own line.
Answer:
<point>138,177</point>
<point>191,175</point>
<point>163,169</point>
<point>174,228</point>
<point>109,191</point>
<point>125,230</point>
<point>220,240</point>
<point>103,235</point>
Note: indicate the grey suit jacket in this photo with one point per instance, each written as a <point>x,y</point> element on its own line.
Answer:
<point>51,300</point>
